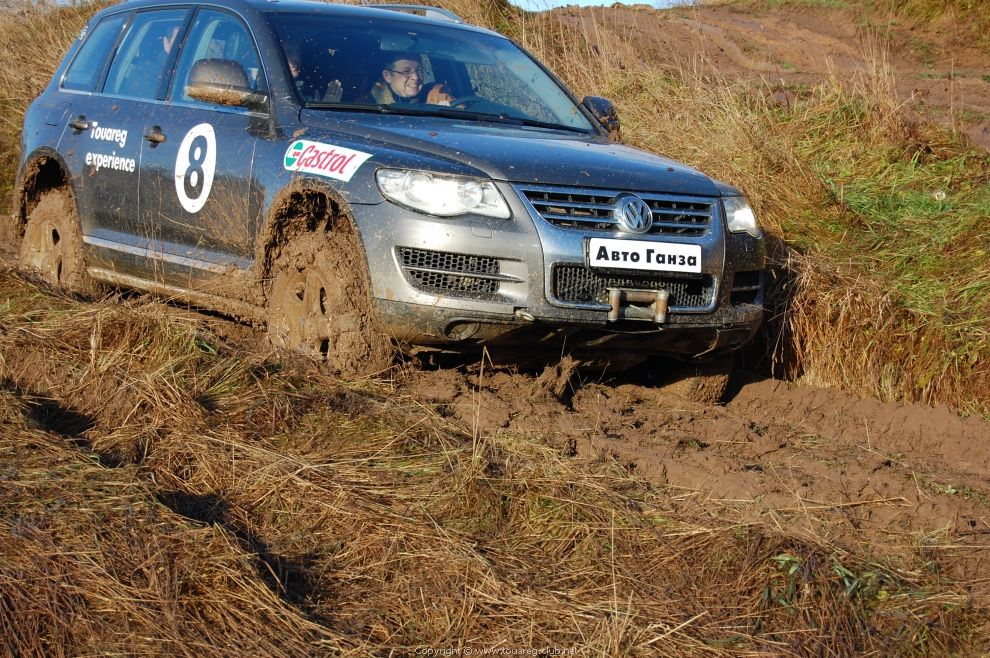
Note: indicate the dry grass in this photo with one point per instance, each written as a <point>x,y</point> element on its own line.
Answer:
<point>169,492</point>
<point>166,491</point>
<point>971,16</point>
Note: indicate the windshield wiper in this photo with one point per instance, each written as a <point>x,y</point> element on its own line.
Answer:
<point>446,112</point>
<point>555,126</point>
<point>511,119</point>
<point>360,107</point>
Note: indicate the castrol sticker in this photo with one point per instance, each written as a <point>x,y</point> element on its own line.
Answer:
<point>323,159</point>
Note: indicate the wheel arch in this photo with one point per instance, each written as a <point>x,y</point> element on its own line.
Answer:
<point>43,171</point>
<point>304,206</point>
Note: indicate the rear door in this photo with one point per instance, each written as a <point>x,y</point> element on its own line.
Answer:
<point>196,175</point>
<point>102,140</point>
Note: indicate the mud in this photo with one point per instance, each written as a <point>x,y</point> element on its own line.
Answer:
<point>298,209</point>
<point>320,302</point>
<point>52,244</point>
<point>232,97</point>
<point>773,449</point>
<point>37,173</point>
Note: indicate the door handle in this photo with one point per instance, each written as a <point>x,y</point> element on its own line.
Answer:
<point>155,135</point>
<point>80,123</point>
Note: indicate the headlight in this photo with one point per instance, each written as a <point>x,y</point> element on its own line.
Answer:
<point>740,216</point>
<point>440,194</point>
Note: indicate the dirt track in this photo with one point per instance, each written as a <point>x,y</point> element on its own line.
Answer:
<point>935,69</point>
<point>343,501</point>
<point>773,448</point>
<point>887,477</point>
<point>853,467</point>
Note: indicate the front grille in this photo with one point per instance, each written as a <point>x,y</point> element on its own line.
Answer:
<point>577,284</point>
<point>592,210</point>
<point>441,272</point>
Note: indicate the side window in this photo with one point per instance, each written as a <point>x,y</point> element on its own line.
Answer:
<point>140,62</point>
<point>84,72</point>
<point>222,41</point>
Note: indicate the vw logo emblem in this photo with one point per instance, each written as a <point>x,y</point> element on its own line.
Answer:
<point>632,213</point>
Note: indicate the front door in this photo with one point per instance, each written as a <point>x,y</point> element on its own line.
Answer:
<point>196,172</point>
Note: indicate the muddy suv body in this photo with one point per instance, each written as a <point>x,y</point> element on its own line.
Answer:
<point>195,143</point>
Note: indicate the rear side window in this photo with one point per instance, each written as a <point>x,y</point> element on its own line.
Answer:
<point>140,63</point>
<point>85,70</point>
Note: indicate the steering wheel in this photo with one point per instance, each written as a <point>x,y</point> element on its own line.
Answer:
<point>465,102</point>
<point>482,105</point>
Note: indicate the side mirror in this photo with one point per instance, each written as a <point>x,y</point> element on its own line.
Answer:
<point>603,110</point>
<point>224,82</point>
<point>226,95</point>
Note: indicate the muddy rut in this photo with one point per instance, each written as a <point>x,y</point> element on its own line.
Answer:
<point>774,448</point>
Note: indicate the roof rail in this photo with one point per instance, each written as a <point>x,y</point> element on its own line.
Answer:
<point>423,10</point>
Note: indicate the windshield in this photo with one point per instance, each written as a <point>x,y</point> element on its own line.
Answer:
<point>354,63</point>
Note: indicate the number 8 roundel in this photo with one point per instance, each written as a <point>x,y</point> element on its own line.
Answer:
<point>195,164</point>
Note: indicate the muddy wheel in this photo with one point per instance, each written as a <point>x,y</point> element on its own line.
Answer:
<point>52,245</point>
<point>704,382</point>
<point>319,304</point>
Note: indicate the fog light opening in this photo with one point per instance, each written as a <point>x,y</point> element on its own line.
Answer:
<point>461,330</point>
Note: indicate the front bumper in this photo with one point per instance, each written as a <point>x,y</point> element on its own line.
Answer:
<point>523,284</point>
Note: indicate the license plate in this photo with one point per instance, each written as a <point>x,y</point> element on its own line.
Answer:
<point>642,255</point>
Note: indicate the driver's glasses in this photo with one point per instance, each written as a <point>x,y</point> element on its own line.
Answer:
<point>408,73</point>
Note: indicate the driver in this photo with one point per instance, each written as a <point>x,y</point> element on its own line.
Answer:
<point>402,81</point>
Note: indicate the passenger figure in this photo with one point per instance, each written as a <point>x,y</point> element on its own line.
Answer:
<point>331,94</point>
<point>169,39</point>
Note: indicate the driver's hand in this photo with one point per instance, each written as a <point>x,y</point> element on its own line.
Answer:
<point>334,91</point>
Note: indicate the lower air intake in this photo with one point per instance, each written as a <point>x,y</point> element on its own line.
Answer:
<point>575,284</point>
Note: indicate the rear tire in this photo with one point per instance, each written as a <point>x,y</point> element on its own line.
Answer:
<point>52,246</point>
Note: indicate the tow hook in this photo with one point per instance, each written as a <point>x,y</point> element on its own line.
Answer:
<point>524,315</point>
<point>638,305</point>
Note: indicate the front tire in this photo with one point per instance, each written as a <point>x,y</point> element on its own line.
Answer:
<point>319,303</point>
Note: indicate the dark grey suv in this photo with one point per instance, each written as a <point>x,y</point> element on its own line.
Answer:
<point>357,176</point>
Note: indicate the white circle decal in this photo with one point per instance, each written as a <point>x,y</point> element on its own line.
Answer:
<point>195,164</point>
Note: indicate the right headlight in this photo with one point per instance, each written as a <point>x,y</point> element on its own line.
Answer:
<point>740,216</point>
<point>442,195</point>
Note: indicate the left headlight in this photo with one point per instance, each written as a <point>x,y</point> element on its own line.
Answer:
<point>441,194</point>
<point>740,216</point>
